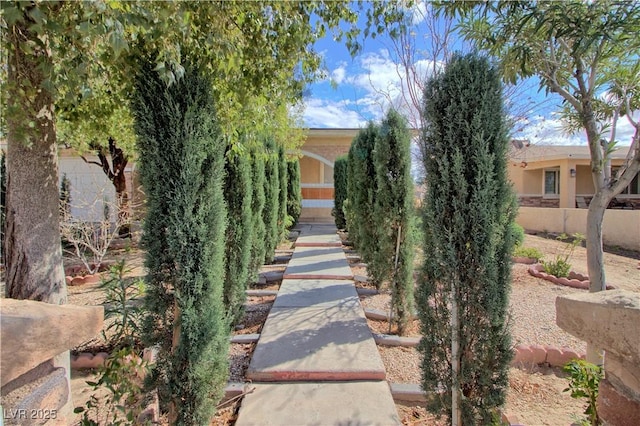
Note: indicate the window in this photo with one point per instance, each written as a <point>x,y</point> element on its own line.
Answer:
<point>634,186</point>
<point>551,182</point>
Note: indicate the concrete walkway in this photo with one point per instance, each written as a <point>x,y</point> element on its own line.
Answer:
<point>316,362</point>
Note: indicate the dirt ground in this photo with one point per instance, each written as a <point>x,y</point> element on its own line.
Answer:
<point>535,397</point>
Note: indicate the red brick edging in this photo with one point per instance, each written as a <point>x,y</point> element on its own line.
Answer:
<point>539,354</point>
<point>574,279</point>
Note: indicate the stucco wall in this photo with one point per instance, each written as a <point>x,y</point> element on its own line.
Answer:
<point>620,227</point>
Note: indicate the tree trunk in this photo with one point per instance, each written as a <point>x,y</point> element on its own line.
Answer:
<point>122,197</point>
<point>456,408</point>
<point>33,250</point>
<point>595,260</point>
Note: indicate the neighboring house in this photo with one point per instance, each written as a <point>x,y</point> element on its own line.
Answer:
<point>560,177</point>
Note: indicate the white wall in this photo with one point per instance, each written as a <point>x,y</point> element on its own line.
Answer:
<point>90,188</point>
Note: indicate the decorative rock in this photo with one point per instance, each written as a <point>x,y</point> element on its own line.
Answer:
<point>47,395</point>
<point>84,280</point>
<point>34,332</point>
<point>570,354</point>
<point>366,291</point>
<point>360,279</point>
<point>615,408</point>
<point>603,319</point>
<point>262,293</point>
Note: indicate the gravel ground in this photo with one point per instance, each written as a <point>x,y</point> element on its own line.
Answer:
<point>239,358</point>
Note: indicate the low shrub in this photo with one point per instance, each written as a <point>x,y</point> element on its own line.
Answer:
<point>530,252</point>
<point>558,267</point>
<point>584,378</point>
<point>517,233</point>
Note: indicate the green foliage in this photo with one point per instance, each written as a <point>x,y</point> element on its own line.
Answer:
<point>530,252</point>
<point>122,376</point>
<point>467,213</point>
<point>238,193</point>
<point>294,191</point>
<point>584,379</point>
<point>283,222</point>
<point>517,233</point>
<point>65,197</point>
<point>122,312</point>
<point>182,170</point>
<point>258,202</point>
<point>340,190</point>
<point>272,199</point>
<point>394,217</point>
<point>3,201</point>
<point>361,191</point>
<point>560,266</point>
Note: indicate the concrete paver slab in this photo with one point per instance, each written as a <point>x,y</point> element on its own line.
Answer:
<point>318,262</point>
<point>327,343</point>
<point>357,403</point>
<point>318,233</point>
<point>317,293</point>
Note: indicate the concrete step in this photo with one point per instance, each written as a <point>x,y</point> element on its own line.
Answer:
<point>356,403</point>
<point>316,343</point>
<point>318,263</point>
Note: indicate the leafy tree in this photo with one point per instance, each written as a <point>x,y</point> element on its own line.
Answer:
<point>238,193</point>
<point>469,206</point>
<point>580,51</point>
<point>184,233</point>
<point>340,194</point>
<point>283,220</point>
<point>394,216</point>
<point>272,198</point>
<point>258,202</point>
<point>294,191</point>
<point>60,50</point>
<point>361,190</point>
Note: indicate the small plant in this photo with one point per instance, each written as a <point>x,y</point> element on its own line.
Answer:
<point>121,307</point>
<point>517,233</point>
<point>122,375</point>
<point>530,252</point>
<point>584,379</point>
<point>560,266</point>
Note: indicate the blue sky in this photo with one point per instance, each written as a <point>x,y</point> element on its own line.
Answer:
<point>361,88</point>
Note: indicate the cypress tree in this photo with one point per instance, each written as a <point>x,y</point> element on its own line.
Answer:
<point>340,190</point>
<point>272,199</point>
<point>257,210</point>
<point>361,190</point>
<point>294,191</point>
<point>238,196</point>
<point>3,206</point>
<point>182,170</point>
<point>394,216</point>
<point>468,209</point>
<point>283,222</point>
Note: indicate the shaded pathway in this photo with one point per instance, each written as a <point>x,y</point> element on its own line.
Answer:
<point>316,362</point>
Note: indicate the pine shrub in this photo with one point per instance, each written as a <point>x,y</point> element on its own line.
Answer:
<point>394,217</point>
<point>238,193</point>
<point>294,191</point>
<point>182,170</point>
<point>283,222</point>
<point>340,191</point>
<point>272,199</point>
<point>258,202</point>
<point>468,209</point>
<point>361,191</point>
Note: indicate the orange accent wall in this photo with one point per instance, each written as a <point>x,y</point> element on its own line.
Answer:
<point>317,193</point>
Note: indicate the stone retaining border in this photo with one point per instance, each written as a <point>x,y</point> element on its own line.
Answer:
<point>574,279</point>
<point>529,355</point>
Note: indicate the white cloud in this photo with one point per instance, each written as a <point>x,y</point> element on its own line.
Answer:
<point>338,74</point>
<point>325,113</point>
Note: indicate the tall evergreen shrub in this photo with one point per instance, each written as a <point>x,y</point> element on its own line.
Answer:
<point>394,216</point>
<point>238,193</point>
<point>283,221</point>
<point>258,201</point>
<point>469,206</point>
<point>294,191</point>
<point>340,191</point>
<point>3,202</point>
<point>361,190</point>
<point>182,170</point>
<point>272,199</point>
